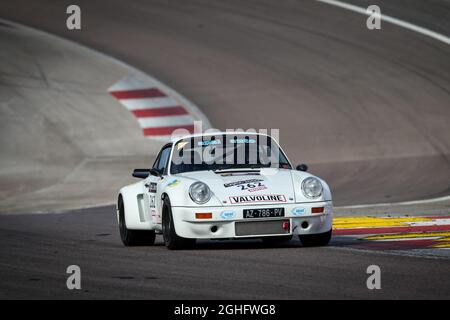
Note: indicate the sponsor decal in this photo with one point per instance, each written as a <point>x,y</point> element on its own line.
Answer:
<point>152,201</point>
<point>298,211</point>
<point>152,187</point>
<point>209,142</point>
<point>237,183</point>
<point>156,217</point>
<point>258,198</point>
<point>241,141</point>
<point>228,214</point>
<point>173,183</point>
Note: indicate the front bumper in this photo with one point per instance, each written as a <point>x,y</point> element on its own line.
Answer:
<point>222,225</point>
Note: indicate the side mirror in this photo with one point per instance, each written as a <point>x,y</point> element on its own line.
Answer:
<point>302,167</point>
<point>144,173</point>
<point>155,172</point>
<point>141,173</point>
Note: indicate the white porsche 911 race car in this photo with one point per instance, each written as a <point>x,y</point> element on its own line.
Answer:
<point>224,186</point>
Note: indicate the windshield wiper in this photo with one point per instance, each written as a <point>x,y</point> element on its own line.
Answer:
<point>225,167</point>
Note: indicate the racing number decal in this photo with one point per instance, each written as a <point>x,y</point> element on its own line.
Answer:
<point>152,189</point>
<point>152,201</point>
<point>251,187</point>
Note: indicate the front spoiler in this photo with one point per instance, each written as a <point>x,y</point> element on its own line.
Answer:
<point>302,221</point>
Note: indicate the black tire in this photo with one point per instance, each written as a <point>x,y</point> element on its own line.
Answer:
<point>133,237</point>
<point>277,240</point>
<point>316,240</point>
<point>171,239</point>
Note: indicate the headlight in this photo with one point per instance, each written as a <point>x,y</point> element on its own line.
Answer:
<point>199,192</point>
<point>312,188</point>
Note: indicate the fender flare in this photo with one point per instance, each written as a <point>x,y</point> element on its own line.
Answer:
<point>135,206</point>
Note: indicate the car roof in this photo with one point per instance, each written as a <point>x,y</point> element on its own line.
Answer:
<point>215,133</point>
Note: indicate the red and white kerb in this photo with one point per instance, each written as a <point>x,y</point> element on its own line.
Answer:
<point>157,112</point>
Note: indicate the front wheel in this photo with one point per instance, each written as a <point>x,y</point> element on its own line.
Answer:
<point>133,237</point>
<point>171,239</point>
<point>316,240</point>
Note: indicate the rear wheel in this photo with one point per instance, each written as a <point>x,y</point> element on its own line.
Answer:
<point>133,237</point>
<point>316,240</point>
<point>171,239</point>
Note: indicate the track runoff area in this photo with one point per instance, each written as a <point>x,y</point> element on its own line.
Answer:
<point>423,236</point>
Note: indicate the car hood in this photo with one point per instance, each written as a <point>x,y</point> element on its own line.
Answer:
<point>267,185</point>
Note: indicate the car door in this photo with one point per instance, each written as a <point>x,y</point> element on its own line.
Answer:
<point>152,183</point>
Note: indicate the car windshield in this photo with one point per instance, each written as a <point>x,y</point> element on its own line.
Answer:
<point>227,151</point>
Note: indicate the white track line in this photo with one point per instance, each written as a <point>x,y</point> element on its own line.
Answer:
<point>398,22</point>
<point>406,203</point>
<point>412,27</point>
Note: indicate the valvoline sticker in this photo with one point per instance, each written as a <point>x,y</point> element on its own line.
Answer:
<point>298,211</point>
<point>227,214</point>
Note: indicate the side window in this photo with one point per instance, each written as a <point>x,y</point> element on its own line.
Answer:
<point>155,164</point>
<point>163,160</point>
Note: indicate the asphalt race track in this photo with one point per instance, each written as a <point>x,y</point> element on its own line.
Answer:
<point>373,104</point>
<point>36,251</point>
